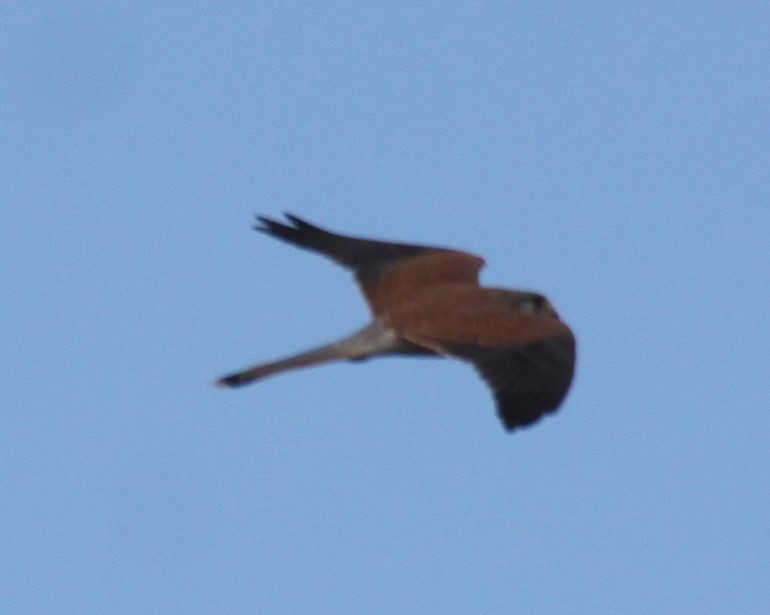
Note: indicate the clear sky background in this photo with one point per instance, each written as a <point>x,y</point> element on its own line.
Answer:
<point>614,156</point>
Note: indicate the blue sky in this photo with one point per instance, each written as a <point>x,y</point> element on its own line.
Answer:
<point>611,156</point>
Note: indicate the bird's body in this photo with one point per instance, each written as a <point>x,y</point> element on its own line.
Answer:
<point>428,301</point>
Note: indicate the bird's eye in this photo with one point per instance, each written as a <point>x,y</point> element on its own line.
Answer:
<point>532,304</point>
<point>537,304</point>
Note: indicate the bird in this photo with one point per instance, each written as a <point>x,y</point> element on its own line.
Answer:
<point>427,301</point>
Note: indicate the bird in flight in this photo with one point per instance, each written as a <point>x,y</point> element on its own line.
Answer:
<point>428,301</point>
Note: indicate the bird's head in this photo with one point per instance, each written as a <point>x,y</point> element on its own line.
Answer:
<point>527,302</point>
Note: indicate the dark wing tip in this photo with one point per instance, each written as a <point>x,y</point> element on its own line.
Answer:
<point>268,224</point>
<point>537,381</point>
<point>523,412</point>
<point>367,258</point>
<point>298,232</point>
<point>527,382</point>
<point>299,222</point>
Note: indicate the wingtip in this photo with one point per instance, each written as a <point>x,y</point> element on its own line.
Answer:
<point>298,222</point>
<point>263,223</point>
<point>291,217</point>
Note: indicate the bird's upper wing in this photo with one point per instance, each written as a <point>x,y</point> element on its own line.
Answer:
<point>385,271</point>
<point>527,360</point>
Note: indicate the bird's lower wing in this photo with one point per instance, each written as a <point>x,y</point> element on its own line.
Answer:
<point>527,381</point>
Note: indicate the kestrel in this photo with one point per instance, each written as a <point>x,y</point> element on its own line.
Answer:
<point>428,301</point>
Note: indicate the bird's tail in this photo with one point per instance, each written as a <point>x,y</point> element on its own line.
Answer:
<point>371,340</point>
<point>322,354</point>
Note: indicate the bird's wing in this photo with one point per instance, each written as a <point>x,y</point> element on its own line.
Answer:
<point>527,360</point>
<point>384,270</point>
<point>527,381</point>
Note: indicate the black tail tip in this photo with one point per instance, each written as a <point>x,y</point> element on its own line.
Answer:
<point>228,382</point>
